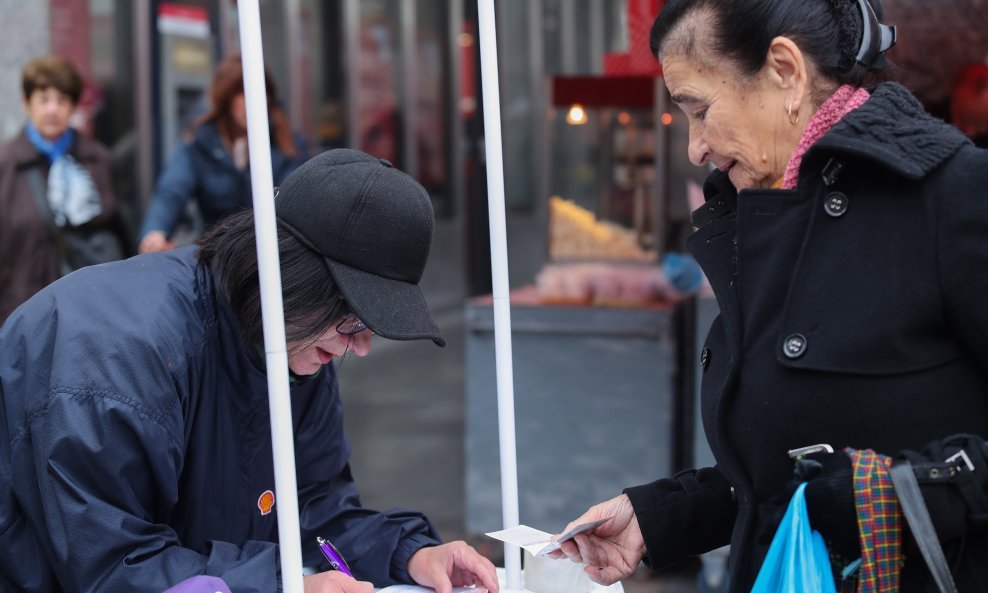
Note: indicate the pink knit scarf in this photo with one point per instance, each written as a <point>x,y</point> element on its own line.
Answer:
<point>844,100</point>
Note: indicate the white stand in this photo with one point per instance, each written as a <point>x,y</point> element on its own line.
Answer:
<point>499,269</point>
<point>272,310</point>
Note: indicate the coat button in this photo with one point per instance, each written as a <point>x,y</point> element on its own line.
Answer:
<point>704,358</point>
<point>794,346</point>
<point>835,204</point>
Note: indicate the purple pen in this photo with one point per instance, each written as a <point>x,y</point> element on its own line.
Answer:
<point>333,556</point>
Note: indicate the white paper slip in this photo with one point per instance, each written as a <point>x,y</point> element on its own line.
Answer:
<point>554,545</point>
<point>417,589</point>
<point>527,538</point>
<point>540,543</point>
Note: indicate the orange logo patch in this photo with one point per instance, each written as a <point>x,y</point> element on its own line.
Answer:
<point>265,502</point>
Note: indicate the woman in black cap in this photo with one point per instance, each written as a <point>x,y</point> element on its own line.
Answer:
<point>136,449</point>
<point>845,235</point>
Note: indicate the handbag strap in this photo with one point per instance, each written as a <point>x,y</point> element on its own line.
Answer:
<point>37,183</point>
<point>918,518</point>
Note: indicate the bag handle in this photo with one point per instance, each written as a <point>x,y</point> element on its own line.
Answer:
<point>918,518</point>
<point>37,183</point>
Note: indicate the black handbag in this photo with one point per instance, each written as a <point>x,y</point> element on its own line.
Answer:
<point>78,247</point>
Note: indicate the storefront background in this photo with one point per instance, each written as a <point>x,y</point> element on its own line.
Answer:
<point>400,79</point>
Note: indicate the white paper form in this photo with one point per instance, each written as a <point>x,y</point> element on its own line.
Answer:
<point>540,543</point>
<point>417,589</point>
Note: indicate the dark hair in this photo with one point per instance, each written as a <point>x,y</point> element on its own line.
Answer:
<point>311,300</point>
<point>51,72</point>
<point>828,31</point>
<point>228,82</point>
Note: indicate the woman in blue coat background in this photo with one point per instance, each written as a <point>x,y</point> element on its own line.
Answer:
<point>212,165</point>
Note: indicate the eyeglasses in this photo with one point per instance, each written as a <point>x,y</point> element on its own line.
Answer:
<point>350,325</point>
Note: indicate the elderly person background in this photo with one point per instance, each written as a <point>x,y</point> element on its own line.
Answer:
<point>55,188</point>
<point>136,443</point>
<point>845,234</point>
<point>212,166</point>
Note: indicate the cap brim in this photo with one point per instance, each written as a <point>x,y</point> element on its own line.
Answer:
<point>393,309</point>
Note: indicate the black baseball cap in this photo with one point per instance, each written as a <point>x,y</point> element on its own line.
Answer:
<point>373,226</point>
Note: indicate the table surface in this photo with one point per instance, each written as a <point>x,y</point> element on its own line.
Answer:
<point>502,580</point>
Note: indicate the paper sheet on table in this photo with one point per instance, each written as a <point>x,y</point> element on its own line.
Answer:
<point>540,543</point>
<point>417,589</point>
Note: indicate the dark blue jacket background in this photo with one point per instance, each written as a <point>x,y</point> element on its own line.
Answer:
<point>135,443</point>
<point>201,168</point>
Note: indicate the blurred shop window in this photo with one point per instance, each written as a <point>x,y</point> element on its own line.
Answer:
<point>520,116</point>
<point>431,112</point>
<point>327,72</point>
<point>379,130</point>
<point>111,98</point>
<point>616,26</point>
<point>578,33</point>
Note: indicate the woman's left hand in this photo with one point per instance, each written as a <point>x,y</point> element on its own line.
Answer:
<point>455,564</point>
<point>611,551</point>
<point>829,500</point>
<point>155,241</point>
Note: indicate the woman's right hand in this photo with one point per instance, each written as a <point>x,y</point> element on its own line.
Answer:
<point>155,241</point>
<point>613,550</point>
<point>333,581</point>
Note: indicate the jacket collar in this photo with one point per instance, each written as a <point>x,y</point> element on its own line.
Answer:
<point>24,153</point>
<point>893,130</point>
<point>721,200</point>
<point>207,136</point>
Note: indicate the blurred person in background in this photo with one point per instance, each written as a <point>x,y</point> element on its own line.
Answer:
<point>845,236</point>
<point>57,206</point>
<point>213,166</point>
<point>969,103</point>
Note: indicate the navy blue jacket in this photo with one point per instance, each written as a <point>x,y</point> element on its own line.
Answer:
<point>135,444</point>
<point>202,168</point>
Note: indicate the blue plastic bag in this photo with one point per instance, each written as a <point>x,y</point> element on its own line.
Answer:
<point>797,560</point>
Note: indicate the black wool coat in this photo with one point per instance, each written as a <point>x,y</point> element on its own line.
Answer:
<point>854,312</point>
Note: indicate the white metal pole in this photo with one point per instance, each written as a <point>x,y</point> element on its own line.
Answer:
<point>499,267</point>
<point>272,308</point>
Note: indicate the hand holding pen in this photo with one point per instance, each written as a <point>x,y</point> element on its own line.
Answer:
<point>441,567</point>
<point>338,579</point>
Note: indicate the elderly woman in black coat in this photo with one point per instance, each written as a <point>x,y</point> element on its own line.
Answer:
<point>845,234</point>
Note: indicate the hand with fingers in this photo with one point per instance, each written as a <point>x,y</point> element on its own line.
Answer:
<point>155,241</point>
<point>335,582</point>
<point>613,550</point>
<point>454,564</point>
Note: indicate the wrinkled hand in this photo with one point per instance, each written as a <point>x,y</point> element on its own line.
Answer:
<point>613,550</point>
<point>455,564</point>
<point>334,581</point>
<point>155,241</point>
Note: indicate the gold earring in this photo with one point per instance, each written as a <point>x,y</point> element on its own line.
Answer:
<point>789,111</point>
